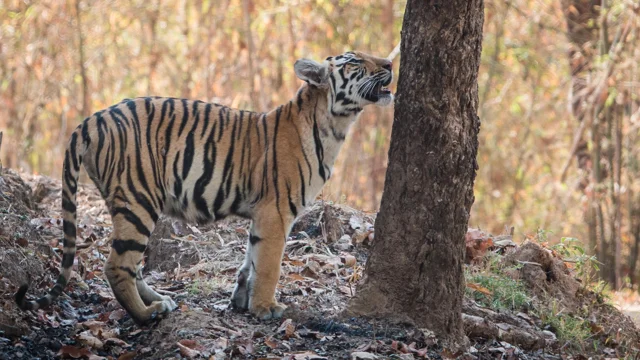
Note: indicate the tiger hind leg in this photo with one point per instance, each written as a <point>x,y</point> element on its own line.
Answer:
<point>147,294</point>
<point>241,292</point>
<point>122,270</point>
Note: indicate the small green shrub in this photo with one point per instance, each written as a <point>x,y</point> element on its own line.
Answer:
<point>506,293</point>
<point>567,327</point>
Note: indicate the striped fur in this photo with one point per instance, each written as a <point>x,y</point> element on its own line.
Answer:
<point>201,162</point>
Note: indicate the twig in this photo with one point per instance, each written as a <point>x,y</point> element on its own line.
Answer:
<point>227,330</point>
<point>394,52</point>
<point>165,292</point>
<point>529,263</point>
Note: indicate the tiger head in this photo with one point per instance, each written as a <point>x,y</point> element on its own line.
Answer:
<point>354,80</point>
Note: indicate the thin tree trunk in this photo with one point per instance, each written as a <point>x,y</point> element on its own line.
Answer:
<point>415,273</point>
<point>86,96</point>
<point>246,8</point>
<point>154,52</point>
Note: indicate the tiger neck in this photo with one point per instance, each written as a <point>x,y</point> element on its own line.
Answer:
<point>325,128</point>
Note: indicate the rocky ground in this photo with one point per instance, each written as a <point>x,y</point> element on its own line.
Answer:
<point>522,301</point>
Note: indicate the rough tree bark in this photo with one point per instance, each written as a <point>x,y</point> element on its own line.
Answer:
<point>415,273</point>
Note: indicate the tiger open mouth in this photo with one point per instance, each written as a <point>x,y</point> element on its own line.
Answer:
<point>378,91</point>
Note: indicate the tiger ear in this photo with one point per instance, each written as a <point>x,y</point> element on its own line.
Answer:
<point>312,72</point>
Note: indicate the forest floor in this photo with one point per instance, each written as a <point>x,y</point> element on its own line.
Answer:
<point>521,300</point>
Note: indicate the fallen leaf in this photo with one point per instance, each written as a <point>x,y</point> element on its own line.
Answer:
<point>187,352</point>
<point>306,355</point>
<point>479,289</point>
<point>129,355</point>
<point>88,339</point>
<point>117,342</point>
<point>270,342</point>
<point>361,355</point>
<point>191,344</point>
<point>296,277</point>
<point>288,328</point>
<point>117,314</point>
<point>22,242</point>
<point>349,260</point>
<point>74,352</point>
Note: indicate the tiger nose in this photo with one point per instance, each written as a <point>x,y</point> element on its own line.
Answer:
<point>387,65</point>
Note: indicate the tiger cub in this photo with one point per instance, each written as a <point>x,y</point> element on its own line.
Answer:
<point>200,161</point>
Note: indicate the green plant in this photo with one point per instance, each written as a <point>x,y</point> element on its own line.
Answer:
<point>568,328</point>
<point>572,251</point>
<point>504,292</point>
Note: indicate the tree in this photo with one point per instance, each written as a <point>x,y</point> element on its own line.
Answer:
<point>415,271</point>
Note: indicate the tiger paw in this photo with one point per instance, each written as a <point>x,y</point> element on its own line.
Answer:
<point>268,311</point>
<point>160,308</point>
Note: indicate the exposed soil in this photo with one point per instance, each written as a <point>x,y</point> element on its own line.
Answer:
<point>196,265</point>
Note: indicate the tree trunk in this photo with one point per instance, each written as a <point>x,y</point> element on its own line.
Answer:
<point>86,95</point>
<point>415,273</point>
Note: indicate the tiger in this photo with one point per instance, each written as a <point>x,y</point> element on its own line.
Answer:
<point>201,162</point>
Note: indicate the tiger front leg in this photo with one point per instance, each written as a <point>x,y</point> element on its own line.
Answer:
<point>258,276</point>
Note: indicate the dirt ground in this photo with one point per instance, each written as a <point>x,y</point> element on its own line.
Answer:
<point>196,265</point>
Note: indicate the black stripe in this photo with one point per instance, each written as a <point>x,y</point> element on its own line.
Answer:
<point>67,204</point>
<point>69,179</point>
<point>72,148</point>
<point>207,113</point>
<point>220,121</point>
<point>177,185</point>
<point>86,140</point>
<point>299,100</point>
<point>67,260</point>
<point>302,186</point>
<point>292,206</point>
<point>128,271</point>
<point>99,124</point>
<point>319,148</point>
<point>133,219</point>
<point>167,134</point>
<point>122,246</point>
<point>141,198</point>
<point>209,162</point>
<point>275,159</point>
<point>254,239</point>
<point>69,229</point>
<point>187,160</point>
<point>185,116</point>
<point>151,111</point>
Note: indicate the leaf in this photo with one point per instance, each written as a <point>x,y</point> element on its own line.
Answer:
<point>288,328</point>
<point>270,342</point>
<point>117,314</point>
<point>361,355</point>
<point>191,344</point>
<point>117,342</point>
<point>349,260</point>
<point>129,355</point>
<point>74,352</point>
<point>479,289</point>
<point>88,339</point>
<point>296,277</point>
<point>187,352</point>
<point>306,355</point>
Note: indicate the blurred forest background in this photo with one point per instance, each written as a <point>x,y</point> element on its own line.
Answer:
<point>559,86</point>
